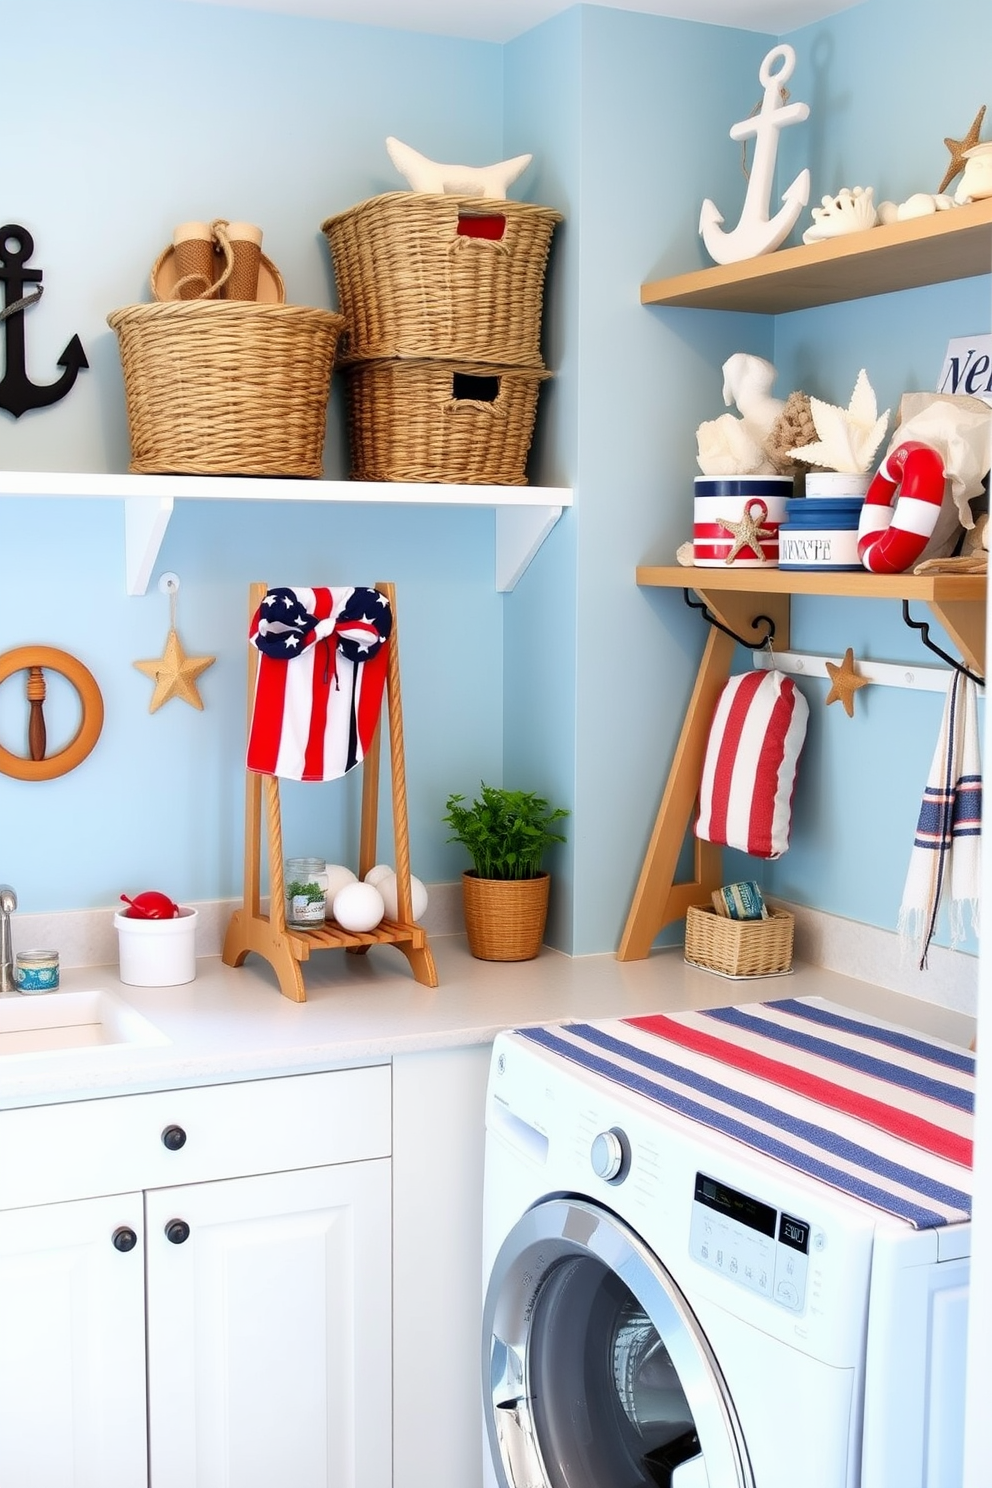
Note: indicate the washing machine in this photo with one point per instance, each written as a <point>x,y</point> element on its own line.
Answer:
<point>700,1272</point>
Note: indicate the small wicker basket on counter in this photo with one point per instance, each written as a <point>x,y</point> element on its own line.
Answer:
<point>226,387</point>
<point>452,277</point>
<point>739,948</point>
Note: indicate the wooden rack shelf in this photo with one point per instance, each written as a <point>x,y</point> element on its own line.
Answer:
<point>267,934</point>
<point>955,244</point>
<point>736,597</point>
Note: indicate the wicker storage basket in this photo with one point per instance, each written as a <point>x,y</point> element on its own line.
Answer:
<point>505,917</point>
<point>739,948</point>
<point>441,421</point>
<point>415,280</point>
<point>226,388</point>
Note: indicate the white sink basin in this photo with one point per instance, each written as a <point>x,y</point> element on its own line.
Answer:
<point>52,1021</point>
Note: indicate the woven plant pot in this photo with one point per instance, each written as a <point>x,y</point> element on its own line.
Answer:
<point>450,422</point>
<point>739,948</point>
<point>505,917</point>
<point>453,277</point>
<point>226,388</point>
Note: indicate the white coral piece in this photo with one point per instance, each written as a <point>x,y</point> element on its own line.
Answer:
<point>852,209</point>
<point>724,447</point>
<point>849,436</point>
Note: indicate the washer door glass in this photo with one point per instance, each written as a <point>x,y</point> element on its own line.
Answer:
<point>597,1374</point>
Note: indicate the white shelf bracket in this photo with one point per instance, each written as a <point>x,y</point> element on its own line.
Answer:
<point>146,520</point>
<point>520,531</point>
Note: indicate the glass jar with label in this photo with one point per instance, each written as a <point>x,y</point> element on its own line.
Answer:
<point>306,888</point>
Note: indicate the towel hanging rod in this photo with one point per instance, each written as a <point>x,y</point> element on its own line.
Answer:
<point>711,619</point>
<point>923,627</point>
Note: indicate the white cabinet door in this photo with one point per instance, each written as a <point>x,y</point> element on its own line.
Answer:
<point>269,1330</point>
<point>72,1346</point>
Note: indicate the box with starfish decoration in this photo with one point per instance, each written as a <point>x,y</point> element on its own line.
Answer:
<point>736,519</point>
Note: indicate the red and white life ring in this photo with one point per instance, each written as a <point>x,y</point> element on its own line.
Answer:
<point>891,538</point>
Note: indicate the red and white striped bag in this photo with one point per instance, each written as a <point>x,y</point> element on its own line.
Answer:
<point>749,773</point>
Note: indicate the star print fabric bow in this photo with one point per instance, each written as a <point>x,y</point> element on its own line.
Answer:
<point>321,673</point>
<point>288,620</point>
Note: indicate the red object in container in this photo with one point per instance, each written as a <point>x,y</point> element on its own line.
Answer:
<point>150,905</point>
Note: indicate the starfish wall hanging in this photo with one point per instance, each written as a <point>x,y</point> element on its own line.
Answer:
<point>844,682</point>
<point>174,673</point>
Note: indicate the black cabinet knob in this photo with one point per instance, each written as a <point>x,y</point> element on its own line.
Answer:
<point>176,1231</point>
<point>173,1137</point>
<point>124,1239</point>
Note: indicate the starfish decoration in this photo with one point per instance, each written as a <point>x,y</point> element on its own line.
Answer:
<point>747,532</point>
<point>174,674</point>
<point>958,148</point>
<point>845,682</point>
<point>848,437</point>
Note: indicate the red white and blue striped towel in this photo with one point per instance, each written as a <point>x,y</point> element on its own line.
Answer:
<point>876,1111</point>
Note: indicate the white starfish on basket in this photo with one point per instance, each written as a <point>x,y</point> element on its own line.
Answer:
<point>849,436</point>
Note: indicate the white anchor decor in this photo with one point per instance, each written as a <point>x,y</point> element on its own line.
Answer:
<point>756,233</point>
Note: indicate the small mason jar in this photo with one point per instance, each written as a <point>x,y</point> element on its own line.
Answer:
<point>306,890</point>
<point>36,971</point>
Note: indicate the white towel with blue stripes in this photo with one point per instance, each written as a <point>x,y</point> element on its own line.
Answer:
<point>945,864</point>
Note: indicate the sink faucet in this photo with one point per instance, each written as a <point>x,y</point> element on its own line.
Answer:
<point>8,903</point>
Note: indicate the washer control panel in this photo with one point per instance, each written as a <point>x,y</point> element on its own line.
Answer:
<point>749,1242</point>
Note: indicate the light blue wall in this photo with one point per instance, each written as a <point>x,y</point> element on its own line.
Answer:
<point>857,805</point>
<point>658,98</point>
<point>647,379</point>
<point>543,103</point>
<point>131,119</point>
<point>123,121</point>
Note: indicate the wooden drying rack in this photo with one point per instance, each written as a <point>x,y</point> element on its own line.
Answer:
<point>267,934</point>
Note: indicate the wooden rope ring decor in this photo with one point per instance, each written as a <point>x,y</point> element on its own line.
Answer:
<point>34,660</point>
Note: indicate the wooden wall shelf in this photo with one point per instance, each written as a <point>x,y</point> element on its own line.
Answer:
<point>956,244</point>
<point>524,514</point>
<point>735,597</point>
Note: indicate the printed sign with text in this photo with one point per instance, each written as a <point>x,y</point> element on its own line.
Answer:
<point>968,367</point>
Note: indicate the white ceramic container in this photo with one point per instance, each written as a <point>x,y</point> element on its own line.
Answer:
<point>157,953</point>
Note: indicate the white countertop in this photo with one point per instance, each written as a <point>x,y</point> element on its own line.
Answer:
<point>233,1024</point>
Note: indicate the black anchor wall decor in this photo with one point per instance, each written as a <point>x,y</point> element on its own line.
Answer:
<point>17,392</point>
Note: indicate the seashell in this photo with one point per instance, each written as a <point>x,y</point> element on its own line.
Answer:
<point>976,182</point>
<point>852,209</point>
<point>920,204</point>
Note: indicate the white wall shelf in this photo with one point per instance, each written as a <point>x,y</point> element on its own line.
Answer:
<point>524,514</point>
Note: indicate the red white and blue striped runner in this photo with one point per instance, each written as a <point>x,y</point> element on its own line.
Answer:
<point>876,1111</point>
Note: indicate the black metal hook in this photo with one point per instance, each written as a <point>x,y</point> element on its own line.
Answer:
<point>711,619</point>
<point>923,627</point>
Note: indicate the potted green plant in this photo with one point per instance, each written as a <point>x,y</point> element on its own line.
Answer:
<point>505,892</point>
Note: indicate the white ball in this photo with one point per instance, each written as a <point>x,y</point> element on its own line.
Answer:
<point>337,877</point>
<point>390,896</point>
<point>375,874</point>
<point>358,906</point>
